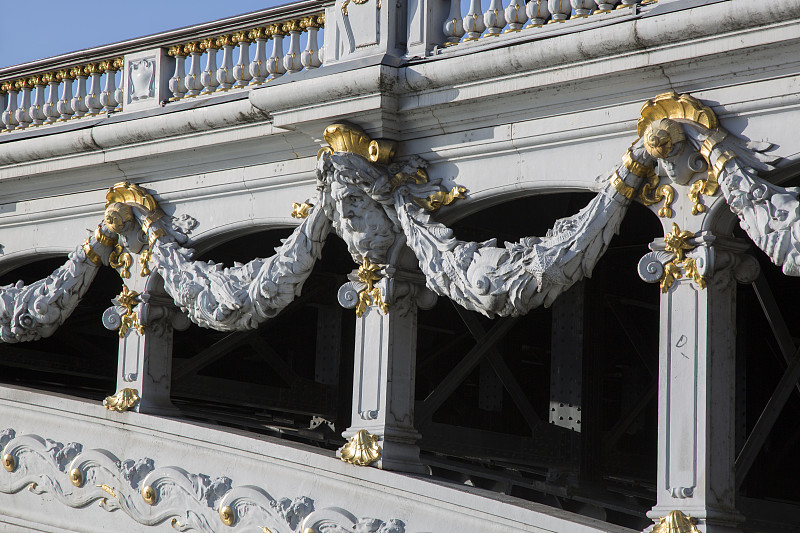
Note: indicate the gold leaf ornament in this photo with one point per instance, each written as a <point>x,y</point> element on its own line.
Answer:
<point>368,274</point>
<point>362,449</point>
<point>676,242</point>
<point>124,400</point>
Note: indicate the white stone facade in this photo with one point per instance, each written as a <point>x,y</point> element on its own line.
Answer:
<point>383,137</point>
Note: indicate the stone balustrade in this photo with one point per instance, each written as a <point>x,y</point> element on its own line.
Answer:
<point>518,15</point>
<point>155,70</point>
<point>207,66</point>
<point>82,90</point>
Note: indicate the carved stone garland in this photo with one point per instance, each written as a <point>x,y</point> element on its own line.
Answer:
<point>150,495</point>
<point>685,138</point>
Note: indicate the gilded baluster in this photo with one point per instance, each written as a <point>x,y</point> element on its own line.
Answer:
<point>258,68</point>
<point>119,65</point>
<point>79,101</point>
<point>241,71</point>
<point>23,111</point>
<point>177,83</point>
<point>225,71</point>
<point>93,98</point>
<point>310,56</point>
<point>10,122</point>
<point>516,16</point>
<point>7,118</point>
<point>51,105</point>
<point>275,62</point>
<point>3,101</point>
<point>321,25</point>
<point>453,27</point>
<point>209,76</point>
<point>64,106</point>
<point>494,18</point>
<point>560,10</point>
<point>108,98</point>
<point>538,13</point>
<point>291,61</point>
<point>473,22</point>
<point>193,81</point>
<point>36,109</point>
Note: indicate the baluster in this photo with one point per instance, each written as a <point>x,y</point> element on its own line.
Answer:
<point>10,121</point>
<point>225,71</point>
<point>50,106</point>
<point>560,10</point>
<point>193,80</point>
<point>538,13</point>
<point>108,98</point>
<point>275,62</point>
<point>93,98</point>
<point>583,8</point>
<point>605,6</point>
<point>310,56</point>
<point>321,25</point>
<point>453,27</point>
<point>79,101</point>
<point>64,109</point>
<point>291,61</point>
<point>119,65</point>
<point>23,111</point>
<point>241,71</point>
<point>516,16</point>
<point>3,102</point>
<point>473,22</point>
<point>629,3</point>
<point>258,68</point>
<point>494,18</point>
<point>209,76</point>
<point>177,83</point>
<point>36,110</point>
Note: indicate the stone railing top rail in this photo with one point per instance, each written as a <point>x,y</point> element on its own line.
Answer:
<point>165,39</point>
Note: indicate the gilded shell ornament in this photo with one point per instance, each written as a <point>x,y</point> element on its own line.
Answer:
<point>124,400</point>
<point>676,522</point>
<point>362,449</point>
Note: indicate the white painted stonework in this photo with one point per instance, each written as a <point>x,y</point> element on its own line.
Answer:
<point>440,123</point>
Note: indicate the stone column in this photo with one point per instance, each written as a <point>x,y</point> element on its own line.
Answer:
<point>383,383</point>
<point>145,321</point>
<point>696,387</point>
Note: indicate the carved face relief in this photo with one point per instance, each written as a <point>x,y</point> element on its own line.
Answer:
<point>362,223</point>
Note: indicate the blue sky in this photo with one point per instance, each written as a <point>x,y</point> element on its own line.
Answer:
<point>56,27</point>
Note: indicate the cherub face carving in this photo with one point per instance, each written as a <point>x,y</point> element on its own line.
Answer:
<point>362,223</point>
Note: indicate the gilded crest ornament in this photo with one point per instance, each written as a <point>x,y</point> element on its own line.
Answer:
<point>129,299</point>
<point>677,243</point>
<point>368,274</point>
